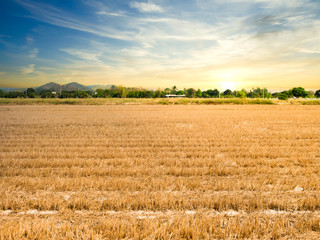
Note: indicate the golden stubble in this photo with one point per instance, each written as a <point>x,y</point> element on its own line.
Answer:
<point>159,172</point>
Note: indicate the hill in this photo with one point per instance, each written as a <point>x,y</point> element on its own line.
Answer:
<point>49,86</point>
<point>95,87</point>
<point>74,86</point>
<point>12,89</point>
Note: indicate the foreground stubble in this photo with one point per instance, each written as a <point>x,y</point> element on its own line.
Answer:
<point>159,172</point>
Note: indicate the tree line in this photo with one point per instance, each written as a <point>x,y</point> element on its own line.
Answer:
<point>123,92</point>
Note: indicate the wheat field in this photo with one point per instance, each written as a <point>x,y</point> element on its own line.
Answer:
<point>160,172</point>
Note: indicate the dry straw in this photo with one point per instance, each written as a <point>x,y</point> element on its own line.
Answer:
<point>159,172</point>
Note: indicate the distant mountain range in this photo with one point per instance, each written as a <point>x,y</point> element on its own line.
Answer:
<point>95,87</point>
<point>67,87</point>
<point>74,86</point>
<point>12,89</point>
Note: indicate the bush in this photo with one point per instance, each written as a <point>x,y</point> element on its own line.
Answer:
<point>283,96</point>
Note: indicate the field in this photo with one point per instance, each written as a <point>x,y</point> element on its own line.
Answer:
<point>159,171</point>
<point>156,101</point>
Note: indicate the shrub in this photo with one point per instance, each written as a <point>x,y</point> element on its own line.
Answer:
<point>283,96</point>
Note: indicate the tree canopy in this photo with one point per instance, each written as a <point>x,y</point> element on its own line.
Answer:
<point>124,92</point>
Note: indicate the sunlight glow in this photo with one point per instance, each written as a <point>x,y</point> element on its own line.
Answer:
<point>228,85</point>
<point>228,79</point>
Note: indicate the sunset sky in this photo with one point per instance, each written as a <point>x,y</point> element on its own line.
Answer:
<point>161,43</point>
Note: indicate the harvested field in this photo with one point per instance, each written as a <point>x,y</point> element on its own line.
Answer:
<point>159,172</point>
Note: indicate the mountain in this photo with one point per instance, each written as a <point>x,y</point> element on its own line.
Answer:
<point>55,87</point>
<point>49,86</point>
<point>75,86</point>
<point>95,87</point>
<point>12,89</point>
<point>67,87</point>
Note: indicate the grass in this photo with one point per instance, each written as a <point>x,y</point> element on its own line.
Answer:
<point>188,171</point>
<point>311,102</point>
<point>237,101</point>
<point>155,101</point>
<point>151,101</point>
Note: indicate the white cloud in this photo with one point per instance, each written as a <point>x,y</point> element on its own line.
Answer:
<point>47,13</point>
<point>29,40</point>
<point>284,3</point>
<point>303,50</point>
<point>33,53</point>
<point>268,3</point>
<point>111,14</point>
<point>84,54</point>
<point>146,7</point>
<point>28,69</point>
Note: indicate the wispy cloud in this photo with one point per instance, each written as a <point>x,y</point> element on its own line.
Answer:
<point>49,14</point>
<point>33,53</point>
<point>5,36</point>
<point>29,40</point>
<point>303,50</point>
<point>110,14</point>
<point>84,54</point>
<point>28,69</point>
<point>146,7</point>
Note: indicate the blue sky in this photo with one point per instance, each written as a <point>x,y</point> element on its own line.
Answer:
<point>160,43</point>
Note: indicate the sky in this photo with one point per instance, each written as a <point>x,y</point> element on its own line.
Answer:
<point>154,44</point>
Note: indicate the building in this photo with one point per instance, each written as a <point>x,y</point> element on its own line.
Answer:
<point>175,96</point>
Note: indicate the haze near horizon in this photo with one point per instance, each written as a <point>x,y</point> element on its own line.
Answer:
<point>160,43</point>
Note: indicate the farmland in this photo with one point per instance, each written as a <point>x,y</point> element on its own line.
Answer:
<point>159,171</point>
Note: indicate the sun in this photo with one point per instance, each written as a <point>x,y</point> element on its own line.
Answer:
<point>227,80</point>
<point>228,85</point>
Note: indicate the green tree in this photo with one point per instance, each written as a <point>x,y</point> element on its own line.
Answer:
<point>311,94</point>
<point>132,94</point>
<point>264,93</point>
<point>1,94</point>
<point>121,91</point>
<point>241,94</point>
<point>198,93</point>
<point>173,90</point>
<point>158,93</point>
<point>190,93</point>
<point>167,90</point>
<point>113,88</point>
<point>259,93</point>
<point>215,93</point>
<point>100,93</point>
<point>299,92</point>
<point>283,96</point>
<point>15,95</point>
<point>49,94</point>
<point>253,94</point>
<point>83,94</point>
<point>228,93</point>
<point>205,94</point>
<point>317,94</point>
<point>30,93</point>
<point>180,92</point>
